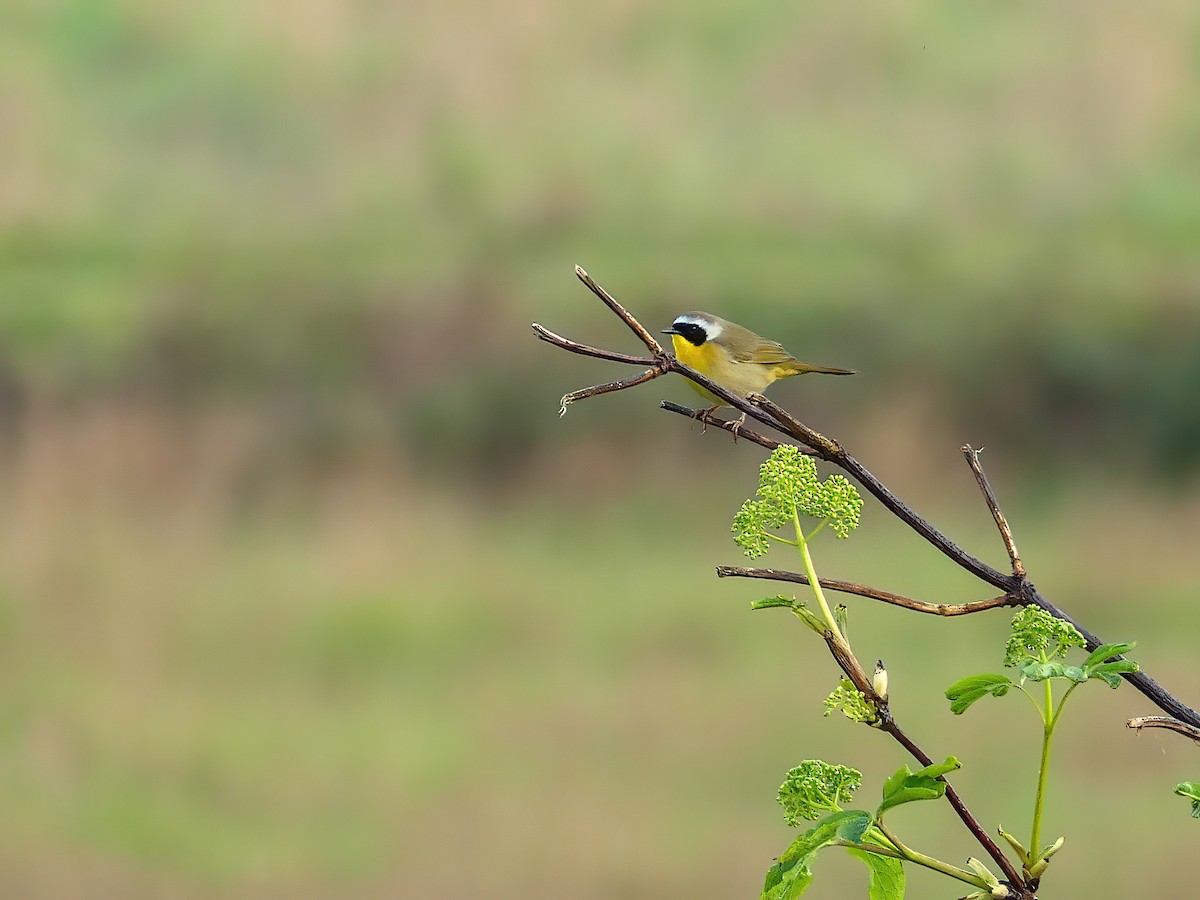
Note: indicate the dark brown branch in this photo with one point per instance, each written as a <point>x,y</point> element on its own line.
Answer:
<point>790,425</point>
<point>1140,722</point>
<point>862,590</point>
<point>832,451</point>
<point>703,415</point>
<point>989,497</point>
<point>634,325</point>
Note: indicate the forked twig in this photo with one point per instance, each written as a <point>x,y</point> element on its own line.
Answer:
<point>597,389</point>
<point>862,590</point>
<point>634,325</point>
<point>989,497</point>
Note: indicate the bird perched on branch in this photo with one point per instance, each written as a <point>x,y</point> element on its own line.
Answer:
<point>734,357</point>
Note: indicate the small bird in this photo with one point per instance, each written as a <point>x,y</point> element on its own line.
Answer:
<point>734,357</point>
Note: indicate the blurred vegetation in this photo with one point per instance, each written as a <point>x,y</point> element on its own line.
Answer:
<point>302,591</point>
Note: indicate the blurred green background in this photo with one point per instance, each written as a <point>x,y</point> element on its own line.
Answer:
<point>306,591</point>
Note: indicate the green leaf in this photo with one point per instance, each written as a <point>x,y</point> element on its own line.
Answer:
<point>849,824</point>
<point>1110,673</point>
<point>905,786</point>
<point>792,873</point>
<point>810,618</point>
<point>853,827</point>
<point>1022,853</point>
<point>1106,651</point>
<point>967,690</point>
<point>1039,671</point>
<point>988,876</point>
<point>786,883</point>
<point>885,878</point>
<point>770,602</point>
<point>1191,790</point>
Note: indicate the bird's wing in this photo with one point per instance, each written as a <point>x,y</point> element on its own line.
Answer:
<point>765,353</point>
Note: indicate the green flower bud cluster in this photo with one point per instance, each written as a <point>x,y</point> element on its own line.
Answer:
<point>815,788</point>
<point>788,486</point>
<point>851,701</point>
<point>1035,632</point>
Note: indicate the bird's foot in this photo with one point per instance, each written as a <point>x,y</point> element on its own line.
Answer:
<point>736,426</point>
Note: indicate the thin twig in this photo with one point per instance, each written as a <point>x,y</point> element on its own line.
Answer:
<point>862,590</point>
<point>634,325</point>
<point>989,497</point>
<point>596,389</point>
<point>1140,722</point>
<point>545,334</point>
<point>703,415</point>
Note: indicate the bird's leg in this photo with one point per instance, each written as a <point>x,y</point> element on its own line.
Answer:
<point>704,414</point>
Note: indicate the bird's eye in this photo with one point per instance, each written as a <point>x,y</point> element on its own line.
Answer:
<point>691,332</point>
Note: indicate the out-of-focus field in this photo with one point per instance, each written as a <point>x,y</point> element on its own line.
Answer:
<point>304,589</point>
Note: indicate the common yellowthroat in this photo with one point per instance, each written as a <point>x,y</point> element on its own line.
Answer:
<point>734,357</point>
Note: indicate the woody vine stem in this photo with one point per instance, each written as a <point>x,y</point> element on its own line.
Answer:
<point>1016,587</point>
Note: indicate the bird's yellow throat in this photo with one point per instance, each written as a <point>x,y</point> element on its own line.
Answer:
<point>705,359</point>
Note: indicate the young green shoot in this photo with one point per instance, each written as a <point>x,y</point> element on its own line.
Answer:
<point>1036,648</point>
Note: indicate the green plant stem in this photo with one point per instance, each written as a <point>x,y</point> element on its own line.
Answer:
<point>1062,703</point>
<point>1041,712</point>
<point>1050,718</point>
<point>1038,800</point>
<point>815,583</point>
<point>913,856</point>
<point>812,534</point>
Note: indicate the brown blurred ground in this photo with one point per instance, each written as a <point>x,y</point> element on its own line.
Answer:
<point>305,591</point>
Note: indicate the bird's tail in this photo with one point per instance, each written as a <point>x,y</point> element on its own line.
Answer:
<point>795,367</point>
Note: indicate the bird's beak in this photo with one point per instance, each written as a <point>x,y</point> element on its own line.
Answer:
<point>670,330</point>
